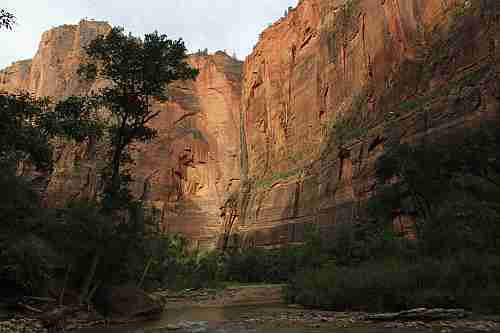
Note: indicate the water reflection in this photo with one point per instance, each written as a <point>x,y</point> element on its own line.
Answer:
<point>189,320</point>
<point>243,319</point>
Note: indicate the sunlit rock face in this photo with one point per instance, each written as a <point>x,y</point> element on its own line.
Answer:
<point>250,154</point>
<point>188,171</point>
<point>405,70</point>
<point>185,172</point>
<point>52,72</point>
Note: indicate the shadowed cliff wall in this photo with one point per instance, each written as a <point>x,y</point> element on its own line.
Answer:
<point>327,87</point>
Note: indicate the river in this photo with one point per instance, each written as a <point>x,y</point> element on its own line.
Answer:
<point>251,319</point>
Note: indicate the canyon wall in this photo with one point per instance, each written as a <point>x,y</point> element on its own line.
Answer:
<point>330,85</point>
<point>289,139</point>
<point>185,172</point>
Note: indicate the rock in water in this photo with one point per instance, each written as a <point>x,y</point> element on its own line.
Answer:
<point>423,314</point>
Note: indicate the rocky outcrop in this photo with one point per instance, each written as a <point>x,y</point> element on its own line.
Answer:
<point>328,86</point>
<point>185,172</point>
<point>52,72</point>
<point>128,302</point>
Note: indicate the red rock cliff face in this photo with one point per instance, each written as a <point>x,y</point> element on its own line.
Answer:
<point>190,168</point>
<point>187,170</point>
<point>326,87</point>
<point>52,72</point>
<point>324,91</point>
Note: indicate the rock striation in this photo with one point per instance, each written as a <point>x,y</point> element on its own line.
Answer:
<point>52,72</point>
<point>188,169</point>
<point>290,137</point>
<point>328,86</point>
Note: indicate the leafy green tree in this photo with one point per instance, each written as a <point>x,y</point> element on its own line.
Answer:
<point>76,118</point>
<point>7,20</point>
<point>138,70</point>
<point>25,258</point>
<point>450,187</point>
<point>22,134</point>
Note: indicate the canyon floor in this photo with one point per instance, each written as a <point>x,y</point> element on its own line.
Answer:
<point>259,309</point>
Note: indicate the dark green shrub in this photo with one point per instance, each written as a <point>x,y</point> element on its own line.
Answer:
<point>29,262</point>
<point>468,281</point>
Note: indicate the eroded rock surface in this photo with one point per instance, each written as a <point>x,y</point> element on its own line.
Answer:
<point>322,94</point>
<point>327,87</point>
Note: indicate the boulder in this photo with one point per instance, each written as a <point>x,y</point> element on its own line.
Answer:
<point>127,301</point>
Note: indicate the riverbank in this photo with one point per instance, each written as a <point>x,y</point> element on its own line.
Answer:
<point>235,295</point>
<point>259,309</point>
<point>282,319</point>
<point>256,309</point>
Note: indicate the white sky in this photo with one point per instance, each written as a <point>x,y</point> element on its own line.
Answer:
<point>214,24</point>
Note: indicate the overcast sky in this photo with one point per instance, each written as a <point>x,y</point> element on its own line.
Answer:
<point>214,24</point>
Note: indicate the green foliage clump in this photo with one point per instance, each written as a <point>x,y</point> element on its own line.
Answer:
<point>347,129</point>
<point>472,78</point>
<point>256,265</point>
<point>22,134</point>
<point>277,176</point>
<point>198,135</point>
<point>409,105</point>
<point>202,53</point>
<point>469,282</point>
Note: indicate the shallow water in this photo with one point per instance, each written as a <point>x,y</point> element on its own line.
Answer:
<point>241,319</point>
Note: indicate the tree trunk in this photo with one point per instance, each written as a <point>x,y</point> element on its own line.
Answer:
<point>115,171</point>
<point>90,277</point>
<point>66,278</point>
<point>146,270</point>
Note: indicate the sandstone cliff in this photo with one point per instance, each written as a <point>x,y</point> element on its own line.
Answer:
<point>292,141</point>
<point>191,165</point>
<point>329,85</point>
<point>52,72</point>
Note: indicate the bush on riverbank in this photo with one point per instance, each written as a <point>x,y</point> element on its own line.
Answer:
<point>469,281</point>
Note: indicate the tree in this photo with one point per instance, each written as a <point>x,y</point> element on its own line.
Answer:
<point>22,134</point>
<point>451,187</point>
<point>7,20</point>
<point>139,70</point>
<point>23,255</point>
